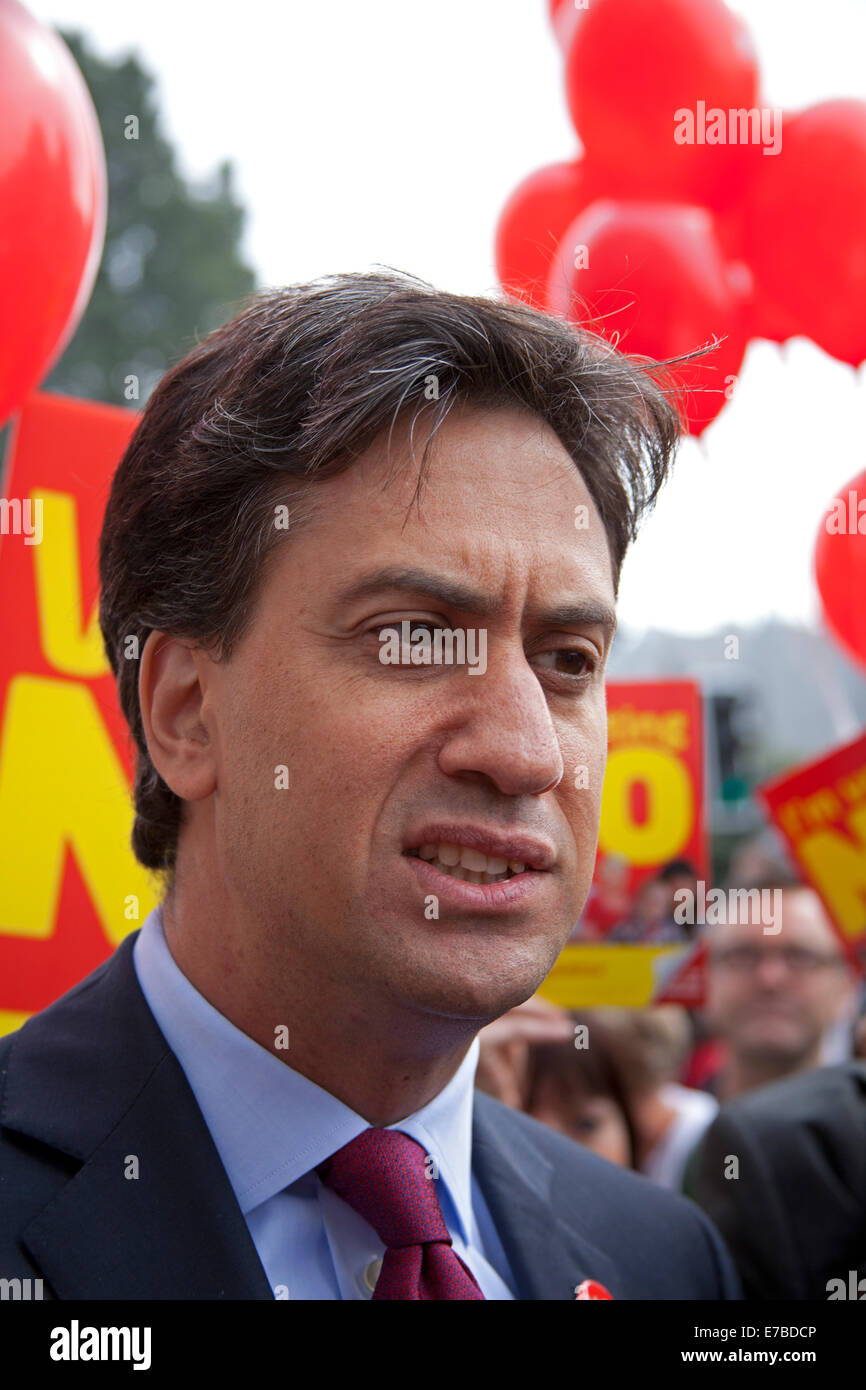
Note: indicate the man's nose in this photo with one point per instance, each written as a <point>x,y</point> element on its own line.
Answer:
<point>772,970</point>
<point>507,733</point>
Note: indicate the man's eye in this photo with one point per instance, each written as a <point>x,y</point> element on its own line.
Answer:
<point>586,1125</point>
<point>415,625</point>
<point>396,624</point>
<point>569,661</point>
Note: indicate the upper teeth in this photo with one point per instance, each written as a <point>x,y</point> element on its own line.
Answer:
<point>463,861</point>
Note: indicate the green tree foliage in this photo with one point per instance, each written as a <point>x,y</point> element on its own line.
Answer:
<point>171,269</point>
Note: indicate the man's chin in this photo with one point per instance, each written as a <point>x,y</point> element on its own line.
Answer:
<point>475,998</point>
<point>776,1049</point>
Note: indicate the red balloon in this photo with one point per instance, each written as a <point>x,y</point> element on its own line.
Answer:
<point>633,67</point>
<point>805,227</point>
<point>769,321</point>
<point>652,278</point>
<point>52,200</point>
<point>532,223</point>
<point>840,567</point>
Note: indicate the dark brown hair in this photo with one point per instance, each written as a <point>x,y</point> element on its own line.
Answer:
<point>608,1067</point>
<point>298,384</point>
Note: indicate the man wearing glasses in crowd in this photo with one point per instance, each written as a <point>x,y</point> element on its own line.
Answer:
<point>779,999</point>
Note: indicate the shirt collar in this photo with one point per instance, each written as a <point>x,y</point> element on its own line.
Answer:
<point>270,1124</point>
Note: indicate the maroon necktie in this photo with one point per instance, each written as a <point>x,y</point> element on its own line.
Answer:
<point>381,1174</point>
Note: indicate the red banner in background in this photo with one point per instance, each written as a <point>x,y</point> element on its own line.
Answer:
<point>652,812</point>
<point>70,887</point>
<point>653,804</point>
<point>820,808</point>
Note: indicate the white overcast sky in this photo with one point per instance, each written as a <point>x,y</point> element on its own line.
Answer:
<point>392,132</point>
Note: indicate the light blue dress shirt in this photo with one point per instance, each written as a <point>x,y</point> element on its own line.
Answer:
<point>271,1126</point>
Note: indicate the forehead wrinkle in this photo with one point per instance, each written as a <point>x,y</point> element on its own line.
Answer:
<point>440,586</point>
<point>485,543</point>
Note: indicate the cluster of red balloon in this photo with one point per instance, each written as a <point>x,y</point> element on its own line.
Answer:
<point>52,200</point>
<point>695,213</point>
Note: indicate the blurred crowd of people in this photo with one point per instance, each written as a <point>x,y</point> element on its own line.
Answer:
<point>672,1093</point>
<point>651,916</point>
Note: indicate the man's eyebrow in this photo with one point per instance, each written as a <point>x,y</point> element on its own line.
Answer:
<point>584,612</point>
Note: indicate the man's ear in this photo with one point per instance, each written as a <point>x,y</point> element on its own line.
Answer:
<point>171,697</point>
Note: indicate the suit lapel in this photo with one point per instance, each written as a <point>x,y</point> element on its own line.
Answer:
<point>150,1213</point>
<point>548,1257</point>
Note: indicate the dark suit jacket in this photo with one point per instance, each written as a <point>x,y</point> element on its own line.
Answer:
<point>795,1217</point>
<point>91,1080</point>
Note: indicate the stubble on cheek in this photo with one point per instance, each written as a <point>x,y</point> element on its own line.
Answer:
<point>584,762</point>
<point>257,796</point>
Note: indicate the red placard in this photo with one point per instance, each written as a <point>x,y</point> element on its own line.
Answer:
<point>70,887</point>
<point>653,805</point>
<point>820,808</point>
<point>652,812</point>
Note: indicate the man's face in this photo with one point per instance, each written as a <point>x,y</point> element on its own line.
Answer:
<point>597,1122</point>
<point>772,996</point>
<point>387,759</point>
<point>653,903</point>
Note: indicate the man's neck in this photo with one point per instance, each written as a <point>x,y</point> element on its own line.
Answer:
<point>748,1073</point>
<point>383,1069</point>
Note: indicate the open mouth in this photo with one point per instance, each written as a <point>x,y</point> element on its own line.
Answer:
<point>469,865</point>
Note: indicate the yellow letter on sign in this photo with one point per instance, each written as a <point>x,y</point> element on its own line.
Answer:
<point>67,644</point>
<point>838,869</point>
<point>670,798</point>
<point>62,786</point>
